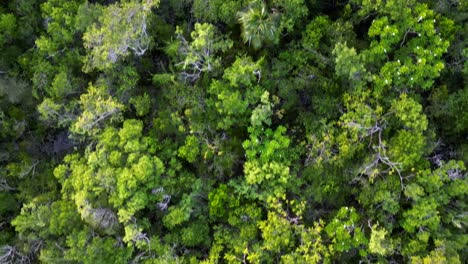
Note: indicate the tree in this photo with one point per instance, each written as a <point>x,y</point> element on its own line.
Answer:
<point>218,11</point>
<point>124,183</point>
<point>409,40</point>
<point>263,21</point>
<point>258,25</point>
<point>122,28</point>
<point>7,26</point>
<point>199,56</point>
<point>96,106</point>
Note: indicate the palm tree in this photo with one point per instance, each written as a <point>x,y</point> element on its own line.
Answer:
<point>258,25</point>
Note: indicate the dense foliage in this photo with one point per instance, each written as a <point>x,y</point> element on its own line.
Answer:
<point>233,131</point>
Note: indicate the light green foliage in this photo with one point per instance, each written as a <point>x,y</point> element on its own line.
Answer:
<point>424,213</point>
<point>64,218</point>
<point>378,243</point>
<point>409,39</point>
<point>257,174</point>
<point>121,30</point>
<point>52,112</point>
<point>311,248</point>
<point>429,216</point>
<point>61,86</point>
<point>240,88</point>
<point>179,214</point>
<point>364,124</point>
<point>57,51</point>
<point>88,249</point>
<point>97,106</point>
<point>7,28</point>
<point>276,232</point>
<point>133,234</point>
<point>218,201</point>
<point>200,55</point>
<point>162,79</point>
<point>349,64</point>
<point>360,122</point>
<point>190,150</point>
<point>409,112</point>
<point>267,169</point>
<point>244,72</point>
<point>344,230</point>
<point>142,104</point>
<point>410,140</point>
<point>314,34</point>
<point>229,104</point>
<point>40,220</point>
<point>43,74</point>
<point>240,241</point>
<point>124,183</point>
<point>268,145</point>
<point>33,217</point>
<point>434,257</point>
<point>61,17</point>
<point>360,117</point>
<point>409,143</point>
<point>262,113</point>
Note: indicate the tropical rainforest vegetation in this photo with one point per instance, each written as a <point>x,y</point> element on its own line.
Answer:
<point>233,131</point>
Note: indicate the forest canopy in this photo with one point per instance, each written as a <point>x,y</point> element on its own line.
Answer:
<point>233,131</point>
